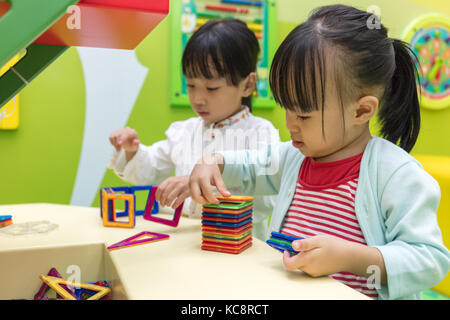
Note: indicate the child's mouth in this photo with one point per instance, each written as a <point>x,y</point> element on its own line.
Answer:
<point>297,144</point>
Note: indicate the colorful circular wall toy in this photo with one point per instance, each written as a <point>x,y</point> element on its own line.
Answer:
<point>429,38</point>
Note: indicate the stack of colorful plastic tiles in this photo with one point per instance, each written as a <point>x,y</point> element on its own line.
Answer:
<point>282,242</point>
<point>5,221</point>
<point>227,226</point>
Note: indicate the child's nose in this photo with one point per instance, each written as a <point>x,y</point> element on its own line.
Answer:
<point>199,99</point>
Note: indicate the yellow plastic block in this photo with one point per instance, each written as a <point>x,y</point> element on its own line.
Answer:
<point>105,207</point>
<point>439,168</point>
<point>55,284</point>
<point>10,120</point>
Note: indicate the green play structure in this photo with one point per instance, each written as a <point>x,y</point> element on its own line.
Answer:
<point>39,16</point>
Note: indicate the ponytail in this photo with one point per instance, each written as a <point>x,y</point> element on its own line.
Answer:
<point>399,114</point>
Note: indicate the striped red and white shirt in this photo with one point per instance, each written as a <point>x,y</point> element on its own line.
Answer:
<point>324,204</point>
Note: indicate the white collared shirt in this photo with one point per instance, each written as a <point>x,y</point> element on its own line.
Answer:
<point>187,142</point>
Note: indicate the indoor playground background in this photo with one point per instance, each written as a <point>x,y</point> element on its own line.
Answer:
<point>60,149</point>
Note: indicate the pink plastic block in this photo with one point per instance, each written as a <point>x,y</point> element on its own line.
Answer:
<point>150,217</point>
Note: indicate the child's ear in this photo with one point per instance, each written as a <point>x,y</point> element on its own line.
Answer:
<point>364,109</point>
<point>249,84</point>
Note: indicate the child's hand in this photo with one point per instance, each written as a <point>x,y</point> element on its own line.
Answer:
<point>319,256</point>
<point>207,173</point>
<point>127,139</point>
<point>173,188</point>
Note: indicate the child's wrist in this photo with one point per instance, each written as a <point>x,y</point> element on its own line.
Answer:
<point>215,158</point>
<point>360,257</point>
<point>130,154</point>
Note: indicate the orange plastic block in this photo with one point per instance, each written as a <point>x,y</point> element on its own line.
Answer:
<point>111,220</point>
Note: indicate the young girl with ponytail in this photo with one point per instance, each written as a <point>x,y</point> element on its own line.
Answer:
<point>365,208</point>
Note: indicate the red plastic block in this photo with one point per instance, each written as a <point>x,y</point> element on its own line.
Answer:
<point>117,24</point>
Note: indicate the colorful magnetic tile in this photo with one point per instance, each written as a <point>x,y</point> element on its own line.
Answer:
<point>85,294</point>
<point>221,236</point>
<point>224,224</point>
<point>44,287</point>
<point>133,241</point>
<point>129,190</point>
<point>5,218</point>
<point>226,236</point>
<point>284,236</point>
<point>148,216</point>
<point>226,215</point>
<point>226,245</point>
<point>56,284</point>
<point>226,230</point>
<point>228,205</point>
<point>281,246</point>
<point>234,198</point>
<point>5,223</point>
<point>155,205</point>
<point>284,242</point>
<point>207,240</point>
<point>229,220</point>
<point>226,250</point>
<point>109,213</point>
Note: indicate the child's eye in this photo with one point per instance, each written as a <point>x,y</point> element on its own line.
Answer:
<point>212,88</point>
<point>302,118</point>
<point>190,85</point>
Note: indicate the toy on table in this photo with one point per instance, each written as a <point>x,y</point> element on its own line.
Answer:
<point>86,294</point>
<point>108,208</point>
<point>28,228</point>
<point>133,241</point>
<point>147,215</point>
<point>227,226</point>
<point>109,195</point>
<point>57,283</point>
<point>282,242</point>
<point>63,291</point>
<point>44,287</point>
<point>5,221</point>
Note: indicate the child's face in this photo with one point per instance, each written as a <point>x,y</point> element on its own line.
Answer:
<point>215,99</point>
<point>329,145</point>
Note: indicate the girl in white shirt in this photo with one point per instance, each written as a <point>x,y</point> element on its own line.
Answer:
<point>219,64</point>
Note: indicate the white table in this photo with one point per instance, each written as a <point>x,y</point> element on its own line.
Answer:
<point>171,269</point>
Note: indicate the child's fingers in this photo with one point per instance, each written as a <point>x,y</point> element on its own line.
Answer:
<point>180,198</point>
<point>207,192</point>
<point>196,192</point>
<point>306,244</point>
<point>113,141</point>
<point>220,185</point>
<point>162,196</point>
<point>293,263</point>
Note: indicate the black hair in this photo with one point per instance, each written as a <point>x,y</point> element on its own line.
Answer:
<point>361,58</point>
<point>229,45</point>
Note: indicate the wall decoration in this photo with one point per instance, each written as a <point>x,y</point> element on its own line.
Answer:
<point>188,15</point>
<point>429,38</point>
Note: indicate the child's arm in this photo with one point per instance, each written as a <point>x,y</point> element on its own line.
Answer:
<point>206,173</point>
<point>414,254</point>
<point>126,139</point>
<point>139,164</point>
<point>256,173</point>
<point>325,255</point>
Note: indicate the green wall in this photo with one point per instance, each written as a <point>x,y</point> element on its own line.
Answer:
<point>39,160</point>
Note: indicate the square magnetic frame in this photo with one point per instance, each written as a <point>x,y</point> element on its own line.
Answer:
<point>148,216</point>
<point>109,217</point>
